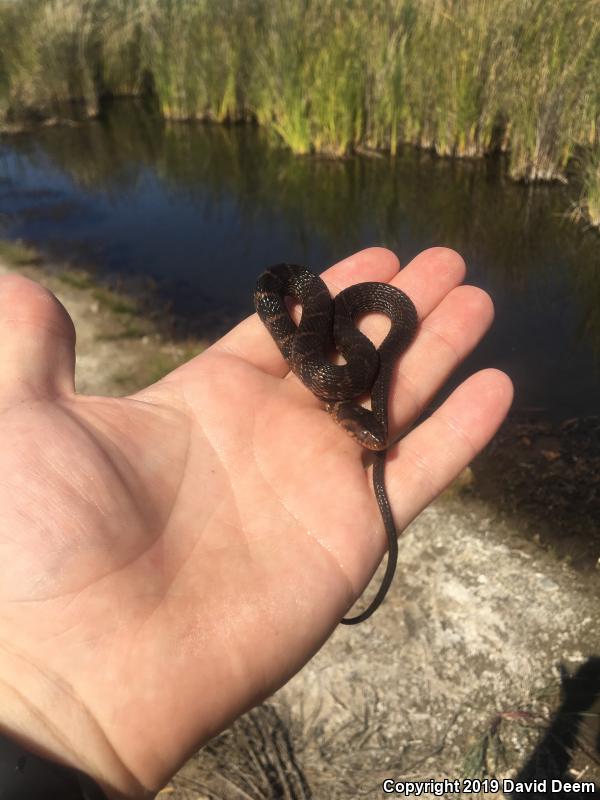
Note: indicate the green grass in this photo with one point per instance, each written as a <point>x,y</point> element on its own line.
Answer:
<point>586,209</point>
<point>78,280</point>
<point>130,330</point>
<point>114,302</point>
<point>591,193</point>
<point>464,77</point>
<point>18,254</point>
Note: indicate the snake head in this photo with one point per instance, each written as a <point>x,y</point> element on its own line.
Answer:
<point>360,423</point>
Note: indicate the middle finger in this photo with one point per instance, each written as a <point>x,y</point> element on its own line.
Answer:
<point>445,337</point>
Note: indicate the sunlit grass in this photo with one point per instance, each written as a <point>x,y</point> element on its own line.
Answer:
<point>592,189</point>
<point>463,77</point>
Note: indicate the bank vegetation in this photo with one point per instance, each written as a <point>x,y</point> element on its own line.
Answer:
<point>465,78</point>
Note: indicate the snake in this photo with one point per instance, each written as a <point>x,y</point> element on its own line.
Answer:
<point>328,325</point>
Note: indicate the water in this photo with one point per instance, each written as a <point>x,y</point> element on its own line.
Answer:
<point>203,209</point>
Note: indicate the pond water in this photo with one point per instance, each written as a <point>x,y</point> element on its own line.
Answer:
<point>204,209</point>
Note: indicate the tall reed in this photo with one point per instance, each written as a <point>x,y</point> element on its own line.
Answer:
<point>550,87</point>
<point>591,189</point>
<point>463,77</point>
<point>46,54</point>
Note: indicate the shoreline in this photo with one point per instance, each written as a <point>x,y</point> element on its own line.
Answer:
<point>582,211</point>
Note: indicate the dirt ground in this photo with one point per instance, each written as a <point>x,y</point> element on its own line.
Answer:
<point>484,661</point>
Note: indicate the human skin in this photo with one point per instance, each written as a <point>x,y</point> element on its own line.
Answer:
<point>171,558</point>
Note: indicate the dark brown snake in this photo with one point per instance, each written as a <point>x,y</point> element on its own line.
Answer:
<point>326,325</point>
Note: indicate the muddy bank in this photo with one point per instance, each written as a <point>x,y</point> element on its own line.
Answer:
<point>460,673</point>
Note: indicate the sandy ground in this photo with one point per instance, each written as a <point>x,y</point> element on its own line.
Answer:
<point>458,675</point>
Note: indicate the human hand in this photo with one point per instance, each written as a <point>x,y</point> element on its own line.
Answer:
<point>173,557</point>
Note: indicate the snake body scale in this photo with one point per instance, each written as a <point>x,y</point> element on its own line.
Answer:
<point>327,324</point>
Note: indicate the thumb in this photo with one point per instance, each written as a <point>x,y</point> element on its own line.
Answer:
<point>37,343</point>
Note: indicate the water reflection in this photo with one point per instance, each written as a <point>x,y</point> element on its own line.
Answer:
<point>205,208</point>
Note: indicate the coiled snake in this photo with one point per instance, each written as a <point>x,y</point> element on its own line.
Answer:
<point>326,324</point>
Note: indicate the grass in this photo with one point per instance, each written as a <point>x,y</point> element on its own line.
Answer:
<point>591,193</point>
<point>463,77</point>
<point>76,279</point>
<point>556,727</point>
<point>129,330</point>
<point>18,254</point>
<point>112,301</point>
<point>586,209</point>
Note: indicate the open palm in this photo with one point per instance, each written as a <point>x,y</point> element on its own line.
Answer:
<point>172,557</point>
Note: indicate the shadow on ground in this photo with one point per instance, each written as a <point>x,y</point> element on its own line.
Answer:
<point>551,480</point>
<point>575,726</point>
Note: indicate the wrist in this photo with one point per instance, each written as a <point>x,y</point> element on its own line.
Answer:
<point>47,719</point>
